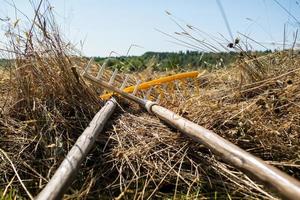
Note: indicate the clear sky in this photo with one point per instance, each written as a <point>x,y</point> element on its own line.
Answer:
<point>113,25</point>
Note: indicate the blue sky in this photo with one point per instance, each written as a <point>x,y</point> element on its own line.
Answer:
<point>113,25</point>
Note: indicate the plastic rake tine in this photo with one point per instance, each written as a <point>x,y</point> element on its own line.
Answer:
<point>146,96</point>
<point>113,77</point>
<point>124,82</point>
<point>156,82</point>
<point>136,87</point>
<point>158,99</point>
<point>164,87</point>
<point>101,71</point>
<point>86,70</point>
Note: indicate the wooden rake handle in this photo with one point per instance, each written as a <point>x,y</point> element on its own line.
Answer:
<point>63,176</point>
<point>286,185</point>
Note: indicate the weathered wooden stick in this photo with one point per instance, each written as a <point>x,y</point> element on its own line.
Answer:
<point>286,185</point>
<point>63,176</point>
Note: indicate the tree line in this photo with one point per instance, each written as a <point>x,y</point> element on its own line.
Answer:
<point>162,61</point>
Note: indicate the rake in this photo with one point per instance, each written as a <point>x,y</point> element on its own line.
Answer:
<point>286,185</point>
<point>63,176</point>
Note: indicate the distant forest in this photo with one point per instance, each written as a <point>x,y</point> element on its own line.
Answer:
<point>158,61</point>
<point>173,61</point>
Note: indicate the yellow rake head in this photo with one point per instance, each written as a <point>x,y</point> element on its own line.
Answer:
<point>157,82</point>
<point>139,86</point>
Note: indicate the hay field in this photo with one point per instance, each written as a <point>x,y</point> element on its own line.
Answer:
<point>138,156</point>
<point>45,106</point>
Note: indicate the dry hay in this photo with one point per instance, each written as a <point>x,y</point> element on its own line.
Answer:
<point>48,104</point>
<point>260,115</point>
<point>254,104</point>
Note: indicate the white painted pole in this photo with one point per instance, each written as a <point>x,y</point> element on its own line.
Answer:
<point>286,185</point>
<point>63,176</point>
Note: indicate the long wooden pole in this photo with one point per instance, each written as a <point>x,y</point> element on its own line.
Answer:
<point>286,185</point>
<point>63,176</point>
